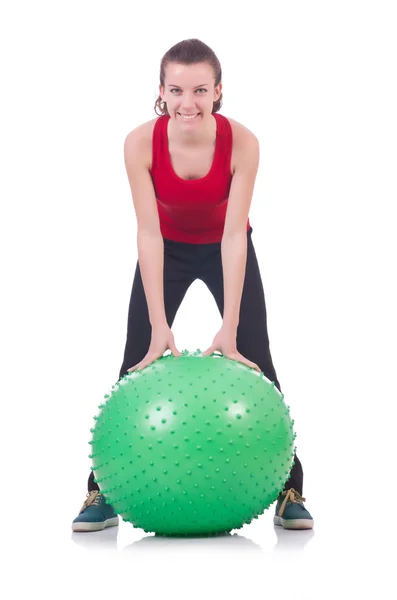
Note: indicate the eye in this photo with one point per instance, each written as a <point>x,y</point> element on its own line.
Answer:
<point>173,89</point>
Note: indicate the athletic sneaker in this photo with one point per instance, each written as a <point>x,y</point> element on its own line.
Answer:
<point>291,512</point>
<point>95,514</point>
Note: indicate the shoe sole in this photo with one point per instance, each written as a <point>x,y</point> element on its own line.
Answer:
<point>294,523</point>
<point>95,526</point>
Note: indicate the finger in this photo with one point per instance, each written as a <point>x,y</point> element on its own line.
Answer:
<point>141,366</point>
<point>209,350</point>
<point>254,366</point>
<point>249,364</point>
<point>175,351</point>
<point>133,368</point>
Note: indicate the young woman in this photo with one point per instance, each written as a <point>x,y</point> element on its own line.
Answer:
<point>192,173</point>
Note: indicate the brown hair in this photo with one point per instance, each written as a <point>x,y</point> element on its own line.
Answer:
<point>188,52</point>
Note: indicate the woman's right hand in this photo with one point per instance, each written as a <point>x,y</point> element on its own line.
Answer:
<point>162,340</point>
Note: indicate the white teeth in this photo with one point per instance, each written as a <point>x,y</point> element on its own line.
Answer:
<point>188,118</point>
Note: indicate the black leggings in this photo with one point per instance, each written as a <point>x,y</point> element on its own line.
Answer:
<point>183,264</point>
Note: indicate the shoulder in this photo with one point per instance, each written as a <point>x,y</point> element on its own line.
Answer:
<point>245,147</point>
<point>245,144</point>
<point>142,133</point>
<point>241,133</point>
<point>140,139</point>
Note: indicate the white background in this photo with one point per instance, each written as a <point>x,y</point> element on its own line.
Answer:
<point>316,83</point>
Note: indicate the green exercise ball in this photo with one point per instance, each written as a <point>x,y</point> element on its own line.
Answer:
<point>192,445</point>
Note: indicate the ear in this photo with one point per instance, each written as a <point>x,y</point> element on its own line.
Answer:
<point>218,90</point>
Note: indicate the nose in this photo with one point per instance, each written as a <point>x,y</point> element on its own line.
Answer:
<point>188,102</point>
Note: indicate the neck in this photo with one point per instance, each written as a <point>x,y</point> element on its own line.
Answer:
<point>204,135</point>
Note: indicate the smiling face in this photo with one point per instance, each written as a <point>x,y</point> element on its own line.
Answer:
<point>190,93</point>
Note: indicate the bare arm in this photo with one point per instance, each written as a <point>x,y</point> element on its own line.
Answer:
<point>149,239</point>
<point>151,263</point>
<point>234,250</point>
<point>234,240</point>
<point>150,247</point>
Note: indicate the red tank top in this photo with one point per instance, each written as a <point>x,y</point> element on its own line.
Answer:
<point>192,210</point>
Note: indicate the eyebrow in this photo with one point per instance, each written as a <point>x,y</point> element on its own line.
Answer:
<point>178,86</point>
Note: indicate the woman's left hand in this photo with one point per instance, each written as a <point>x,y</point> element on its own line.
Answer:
<point>225,342</point>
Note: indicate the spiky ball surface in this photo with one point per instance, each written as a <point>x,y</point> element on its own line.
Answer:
<point>192,445</point>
